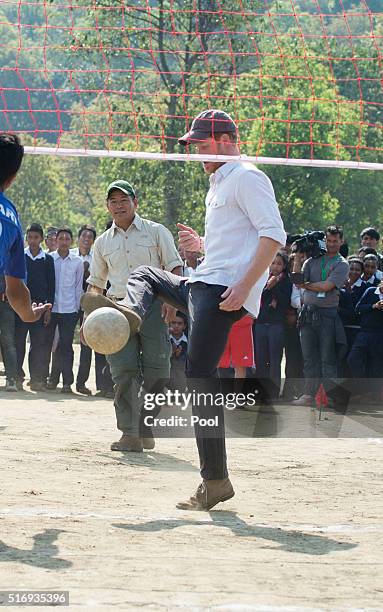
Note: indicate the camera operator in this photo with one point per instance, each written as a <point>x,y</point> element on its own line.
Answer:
<point>321,330</point>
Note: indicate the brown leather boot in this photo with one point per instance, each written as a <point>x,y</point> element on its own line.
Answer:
<point>91,301</point>
<point>208,494</point>
<point>148,443</point>
<point>128,443</point>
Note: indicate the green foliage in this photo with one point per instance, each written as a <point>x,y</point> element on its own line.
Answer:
<point>321,94</point>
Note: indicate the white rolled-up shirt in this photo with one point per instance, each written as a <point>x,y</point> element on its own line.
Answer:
<point>240,209</point>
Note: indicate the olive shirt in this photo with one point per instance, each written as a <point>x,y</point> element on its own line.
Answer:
<point>117,253</point>
<point>335,270</point>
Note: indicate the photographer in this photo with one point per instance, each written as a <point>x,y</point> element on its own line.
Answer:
<point>321,277</point>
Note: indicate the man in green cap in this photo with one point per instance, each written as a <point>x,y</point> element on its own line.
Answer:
<point>131,242</point>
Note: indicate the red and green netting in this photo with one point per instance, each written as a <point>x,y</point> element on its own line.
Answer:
<point>302,78</point>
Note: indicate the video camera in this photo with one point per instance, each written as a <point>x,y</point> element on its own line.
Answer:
<point>311,243</point>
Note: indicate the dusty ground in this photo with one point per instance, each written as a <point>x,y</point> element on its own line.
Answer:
<point>304,531</point>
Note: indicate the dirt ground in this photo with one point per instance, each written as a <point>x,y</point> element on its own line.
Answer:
<point>304,531</point>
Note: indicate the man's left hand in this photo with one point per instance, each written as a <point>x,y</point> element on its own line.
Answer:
<point>235,297</point>
<point>168,313</point>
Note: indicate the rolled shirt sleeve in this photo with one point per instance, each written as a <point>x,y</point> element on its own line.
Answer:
<point>98,268</point>
<point>255,196</point>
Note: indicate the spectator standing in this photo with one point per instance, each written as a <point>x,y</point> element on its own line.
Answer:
<point>371,274</point>
<point>270,325</point>
<point>69,272</point>
<point>349,296</point>
<point>321,330</point>
<point>41,285</point>
<point>293,351</point>
<point>179,342</point>
<point>50,239</point>
<point>86,237</point>
<point>370,237</point>
<point>7,338</point>
<point>366,356</point>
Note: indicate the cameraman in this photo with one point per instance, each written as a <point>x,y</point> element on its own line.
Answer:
<point>320,327</point>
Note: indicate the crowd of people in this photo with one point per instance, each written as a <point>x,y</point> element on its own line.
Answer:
<point>55,275</point>
<point>325,332</point>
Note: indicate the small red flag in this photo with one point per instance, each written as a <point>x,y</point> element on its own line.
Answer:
<point>321,398</point>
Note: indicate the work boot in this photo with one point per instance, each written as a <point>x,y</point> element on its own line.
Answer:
<point>208,494</point>
<point>92,301</point>
<point>128,443</point>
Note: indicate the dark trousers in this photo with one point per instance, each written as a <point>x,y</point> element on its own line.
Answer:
<point>269,341</point>
<point>319,352</point>
<point>7,339</point>
<point>365,359</point>
<point>38,356</point>
<point>62,359</point>
<point>209,328</point>
<point>294,364</point>
<point>103,379</point>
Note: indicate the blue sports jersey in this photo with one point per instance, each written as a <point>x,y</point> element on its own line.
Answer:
<point>12,258</point>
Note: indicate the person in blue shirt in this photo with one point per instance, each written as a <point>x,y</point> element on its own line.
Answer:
<point>366,356</point>
<point>12,259</point>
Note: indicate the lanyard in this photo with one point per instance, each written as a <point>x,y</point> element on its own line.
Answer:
<point>325,268</point>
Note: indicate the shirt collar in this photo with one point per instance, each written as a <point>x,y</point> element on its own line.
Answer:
<point>222,172</point>
<point>71,255</point>
<point>40,254</point>
<point>357,283</point>
<point>137,222</point>
<point>182,339</point>
<point>378,291</point>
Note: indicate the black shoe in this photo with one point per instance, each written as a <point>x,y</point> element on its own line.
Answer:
<point>37,386</point>
<point>67,389</point>
<point>83,390</point>
<point>11,385</point>
<point>51,386</point>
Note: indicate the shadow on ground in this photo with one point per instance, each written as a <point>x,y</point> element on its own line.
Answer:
<point>289,540</point>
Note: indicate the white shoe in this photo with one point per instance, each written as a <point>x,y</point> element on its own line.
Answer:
<point>304,400</point>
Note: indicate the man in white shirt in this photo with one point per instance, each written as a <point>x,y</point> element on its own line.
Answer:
<point>69,271</point>
<point>243,232</point>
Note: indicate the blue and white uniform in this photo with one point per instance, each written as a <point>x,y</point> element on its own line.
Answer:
<point>12,258</point>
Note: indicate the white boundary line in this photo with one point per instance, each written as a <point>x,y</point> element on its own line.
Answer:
<point>33,512</point>
<point>275,161</point>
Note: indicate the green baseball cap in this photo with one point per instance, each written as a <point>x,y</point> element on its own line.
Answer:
<point>123,186</point>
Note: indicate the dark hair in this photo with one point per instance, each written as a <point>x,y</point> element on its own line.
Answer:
<point>183,316</point>
<point>367,250</point>
<point>108,224</point>
<point>370,231</point>
<point>36,227</point>
<point>285,259</point>
<point>372,258</point>
<point>90,228</point>
<point>61,230</point>
<point>335,230</point>
<point>51,229</point>
<point>11,156</point>
<point>356,260</point>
